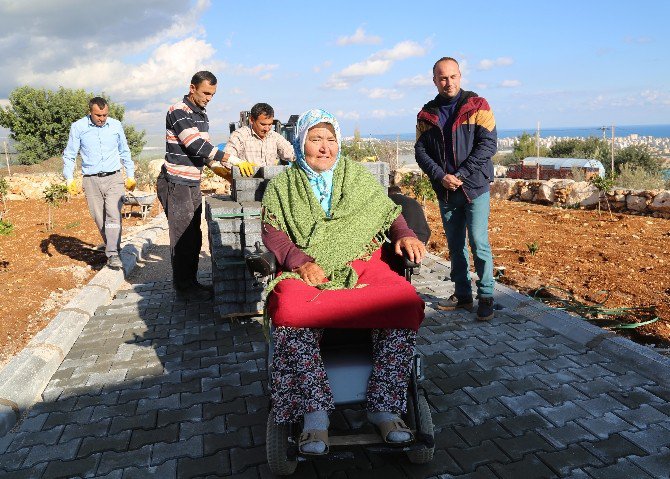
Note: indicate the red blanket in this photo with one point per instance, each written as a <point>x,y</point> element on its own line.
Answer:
<point>387,301</point>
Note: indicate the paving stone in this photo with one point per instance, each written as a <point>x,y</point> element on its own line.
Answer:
<point>166,470</point>
<point>559,415</point>
<point>13,460</point>
<point>470,458</point>
<point>142,437</point>
<point>192,386</point>
<point>217,442</point>
<point>215,465</point>
<point>656,465</point>
<point>30,473</point>
<point>528,467</point>
<point>236,406</point>
<point>642,416</point>
<point>32,438</point>
<point>562,462</point>
<point>174,416</point>
<point>474,435</point>
<point>484,393</point>
<point>190,429</point>
<point>595,387</point>
<point>529,421</point>
<point>112,460</point>
<point>563,436</point>
<point>624,468</point>
<point>75,468</point>
<point>613,448</point>
<point>164,451</point>
<point>115,442</point>
<point>138,421</point>
<point>169,402</point>
<point>651,439</point>
<point>520,386</point>
<point>126,409</point>
<point>98,429</point>
<point>479,413</point>
<point>518,447</point>
<point>521,404</point>
<point>42,453</point>
<point>561,394</point>
<point>606,425</point>
<point>80,416</point>
<point>242,458</point>
<point>236,421</point>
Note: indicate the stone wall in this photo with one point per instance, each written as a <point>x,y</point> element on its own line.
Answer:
<point>24,186</point>
<point>563,192</point>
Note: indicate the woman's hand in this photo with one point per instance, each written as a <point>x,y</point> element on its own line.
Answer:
<point>311,273</point>
<point>414,248</point>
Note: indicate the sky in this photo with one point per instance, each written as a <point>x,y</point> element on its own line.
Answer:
<point>563,64</point>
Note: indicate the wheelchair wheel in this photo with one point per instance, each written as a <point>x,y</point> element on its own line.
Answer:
<point>276,446</point>
<point>425,424</point>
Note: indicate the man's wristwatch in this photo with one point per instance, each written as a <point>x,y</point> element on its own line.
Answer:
<point>458,175</point>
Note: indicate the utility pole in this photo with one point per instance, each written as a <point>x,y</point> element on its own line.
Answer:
<point>604,129</point>
<point>537,147</point>
<point>612,173</point>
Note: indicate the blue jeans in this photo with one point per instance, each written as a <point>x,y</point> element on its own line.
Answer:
<point>458,215</point>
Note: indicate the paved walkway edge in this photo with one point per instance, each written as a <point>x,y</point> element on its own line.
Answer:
<point>24,378</point>
<point>608,343</point>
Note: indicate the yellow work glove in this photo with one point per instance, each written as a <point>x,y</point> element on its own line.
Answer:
<point>71,186</point>
<point>130,184</point>
<point>246,168</point>
<point>220,170</point>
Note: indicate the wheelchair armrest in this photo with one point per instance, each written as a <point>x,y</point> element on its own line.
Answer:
<point>261,263</point>
<point>408,263</point>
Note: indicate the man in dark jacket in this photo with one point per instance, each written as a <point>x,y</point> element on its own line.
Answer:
<point>456,138</point>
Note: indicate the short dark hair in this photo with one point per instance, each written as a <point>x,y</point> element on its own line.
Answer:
<point>202,76</point>
<point>445,59</point>
<point>394,190</point>
<point>261,109</point>
<point>98,101</point>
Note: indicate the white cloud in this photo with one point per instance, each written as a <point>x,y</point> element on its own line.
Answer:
<point>170,66</point>
<point>510,83</point>
<point>366,68</point>
<point>388,93</point>
<point>487,64</point>
<point>376,64</point>
<point>347,115</point>
<point>416,81</point>
<point>359,38</point>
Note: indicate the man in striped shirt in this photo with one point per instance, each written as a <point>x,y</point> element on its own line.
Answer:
<point>187,150</point>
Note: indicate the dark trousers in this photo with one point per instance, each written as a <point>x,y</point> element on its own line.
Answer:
<point>183,208</point>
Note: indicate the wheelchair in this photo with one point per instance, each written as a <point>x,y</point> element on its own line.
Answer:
<point>347,357</point>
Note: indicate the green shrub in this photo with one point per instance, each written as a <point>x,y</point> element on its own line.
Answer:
<point>6,227</point>
<point>638,178</point>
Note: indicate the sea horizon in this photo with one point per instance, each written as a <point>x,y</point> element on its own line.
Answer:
<point>656,131</point>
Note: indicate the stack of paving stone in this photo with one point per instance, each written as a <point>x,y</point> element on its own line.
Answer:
<point>234,228</point>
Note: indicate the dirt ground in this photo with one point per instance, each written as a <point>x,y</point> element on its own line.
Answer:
<point>577,250</point>
<point>583,253</point>
<point>41,270</point>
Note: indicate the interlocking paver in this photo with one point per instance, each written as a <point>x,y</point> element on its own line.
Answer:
<point>154,387</point>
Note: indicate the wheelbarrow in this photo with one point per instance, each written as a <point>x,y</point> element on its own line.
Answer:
<point>143,200</point>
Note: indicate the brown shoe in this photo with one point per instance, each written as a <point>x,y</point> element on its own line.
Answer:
<point>485,309</point>
<point>454,303</point>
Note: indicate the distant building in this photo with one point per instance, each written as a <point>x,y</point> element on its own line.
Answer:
<point>543,168</point>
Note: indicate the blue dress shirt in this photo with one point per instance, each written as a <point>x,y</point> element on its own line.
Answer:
<point>103,148</point>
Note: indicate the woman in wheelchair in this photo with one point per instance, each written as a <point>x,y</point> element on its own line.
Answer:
<point>325,218</point>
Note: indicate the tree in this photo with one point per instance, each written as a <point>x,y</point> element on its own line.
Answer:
<point>357,149</point>
<point>53,195</point>
<point>6,227</point>
<point>40,119</point>
<point>525,146</point>
<point>589,148</point>
<point>639,156</point>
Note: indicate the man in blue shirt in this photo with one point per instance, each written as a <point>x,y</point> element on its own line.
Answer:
<point>103,147</point>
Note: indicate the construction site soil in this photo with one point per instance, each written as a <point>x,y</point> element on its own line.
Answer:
<point>582,252</point>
